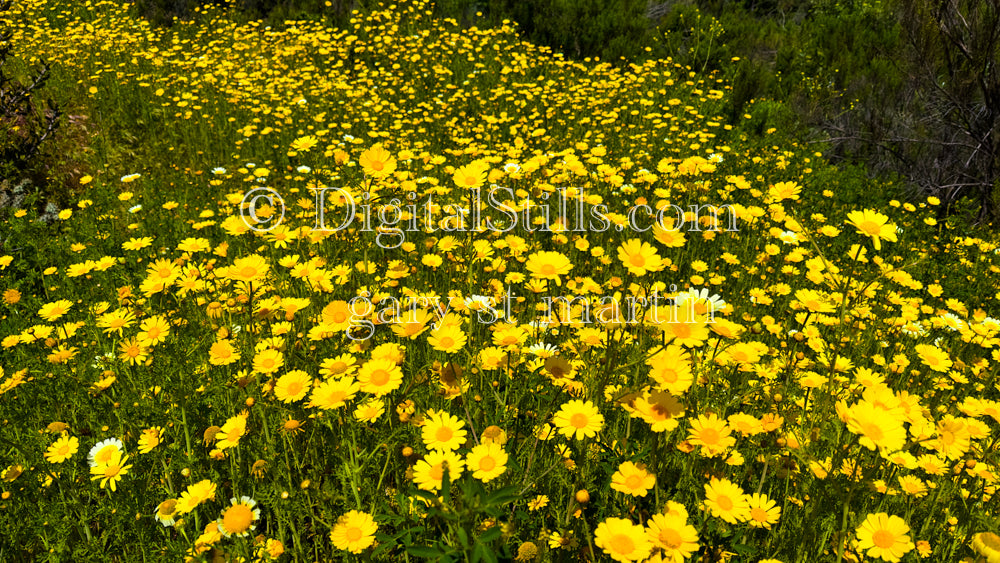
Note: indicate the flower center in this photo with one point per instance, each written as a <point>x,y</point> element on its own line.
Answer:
<point>709,436</point>
<point>884,539</point>
<point>487,464</point>
<point>870,227</point>
<point>237,519</point>
<point>444,434</point>
<point>873,431</point>
<point>380,377</point>
<point>671,538</point>
<point>579,420</point>
<point>623,544</point>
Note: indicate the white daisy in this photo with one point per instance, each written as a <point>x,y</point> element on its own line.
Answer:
<point>543,350</point>
<point>104,450</point>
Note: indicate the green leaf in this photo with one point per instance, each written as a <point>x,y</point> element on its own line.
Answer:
<point>423,551</point>
<point>490,535</point>
<point>502,496</point>
<point>478,553</point>
<point>463,537</point>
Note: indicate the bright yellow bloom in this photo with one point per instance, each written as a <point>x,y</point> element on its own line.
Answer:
<point>579,419</point>
<point>354,532</point>
<point>884,536</point>
<point>632,479</point>
<point>622,540</point>
<point>487,461</point>
<point>873,224</point>
<point>63,448</point>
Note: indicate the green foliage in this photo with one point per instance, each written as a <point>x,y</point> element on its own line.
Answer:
<point>466,503</point>
<point>23,126</point>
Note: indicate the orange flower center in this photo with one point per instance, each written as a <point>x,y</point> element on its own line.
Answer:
<point>724,502</point>
<point>579,420</point>
<point>237,519</point>
<point>437,472</point>
<point>444,434</point>
<point>873,431</point>
<point>671,538</point>
<point>870,228</point>
<point>623,544</point>
<point>379,377</point>
<point>709,436</point>
<point>487,464</point>
<point>353,534</point>
<point>884,539</point>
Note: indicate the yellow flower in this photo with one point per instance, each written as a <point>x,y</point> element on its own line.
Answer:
<point>672,534</point>
<point>150,439</point>
<point>471,175</point>
<point>292,386</point>
<point>377,162</point>
<point>428,473</point>
<point>63,448</point>
<point>112,471</point>
<point>268,361</point>
<point>632,479</point>
<point>986,544</point>
<point>231,432</point>
<point>304,143</point>
<point>884,536</point>
<point>248,269</point>
<point>622,540</point>
<point>448,339</point>
<point>873,224</point>
<point>763,511</point>
<point>548,265</point>
<point>380,377</point>
<point>712,434</point>
<point>334,393</point>
<point>354,532</point>
<point>487,461</point>
<point>640,257</point>
<point>876,428</point>
<point>727,501</point>
<point>442,431</point>
<point>579,419</point>
<point>195,494</point>
<point>239,519</point>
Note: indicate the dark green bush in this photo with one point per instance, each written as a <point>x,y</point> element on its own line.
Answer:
<point>24,126</point>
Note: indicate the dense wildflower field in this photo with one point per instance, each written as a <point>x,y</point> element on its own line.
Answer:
<point>406,291</point>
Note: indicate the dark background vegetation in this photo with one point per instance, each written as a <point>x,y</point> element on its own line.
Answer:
<point>906,89</point>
